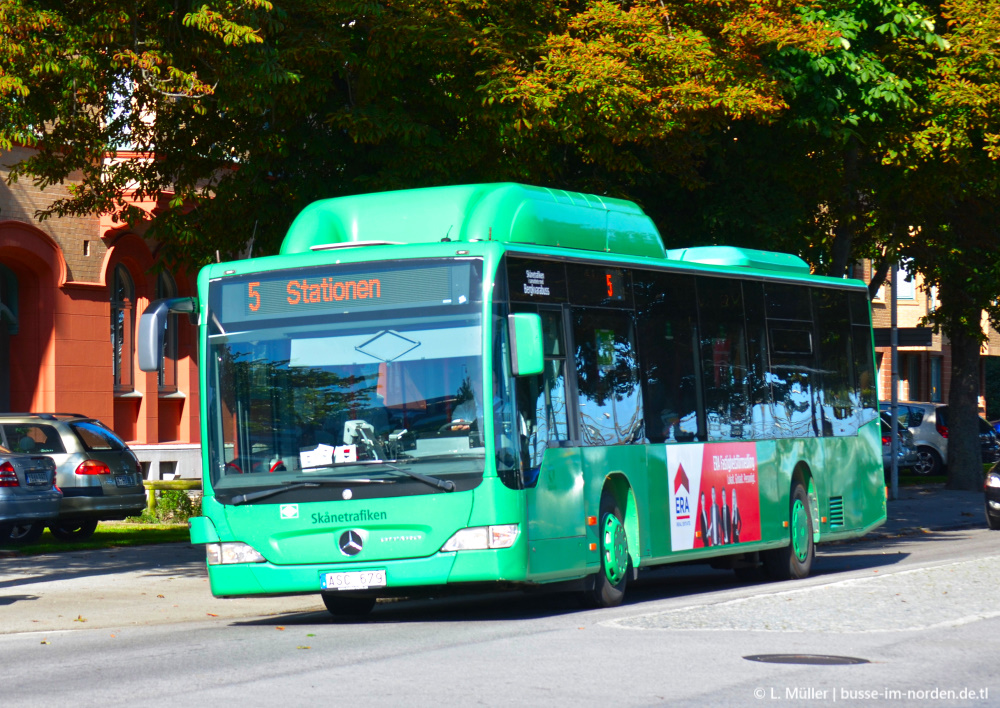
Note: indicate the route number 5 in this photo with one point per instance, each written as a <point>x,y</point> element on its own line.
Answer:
<point>254,296</point>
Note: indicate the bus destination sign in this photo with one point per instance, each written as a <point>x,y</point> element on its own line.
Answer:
<point>324,291</point>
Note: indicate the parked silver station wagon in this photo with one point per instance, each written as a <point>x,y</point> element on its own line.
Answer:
<point>28,496</point>
<point>100,477</point>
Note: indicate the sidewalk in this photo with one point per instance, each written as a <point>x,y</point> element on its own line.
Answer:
<point>931,507</point>
<point>118,588</point>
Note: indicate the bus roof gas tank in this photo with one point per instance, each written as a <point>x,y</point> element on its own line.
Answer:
<point>743,257</point>
<point>505,212</point>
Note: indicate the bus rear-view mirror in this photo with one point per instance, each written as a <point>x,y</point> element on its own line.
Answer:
<point>153,325</point>
<point>526,354</point>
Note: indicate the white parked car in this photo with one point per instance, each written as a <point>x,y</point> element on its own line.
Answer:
<point>929,424</point>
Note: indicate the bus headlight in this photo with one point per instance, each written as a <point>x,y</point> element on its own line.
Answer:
<point>478,538</point>
<point>226,553</point>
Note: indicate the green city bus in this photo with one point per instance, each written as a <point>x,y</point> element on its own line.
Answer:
<point>520,386</point>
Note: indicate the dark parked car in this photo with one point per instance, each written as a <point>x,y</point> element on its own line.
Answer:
<point>28,496</point>
<point>992,488</point>
<point>99,475</point>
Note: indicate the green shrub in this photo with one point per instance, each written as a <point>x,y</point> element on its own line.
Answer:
<point>176,506</point>
<point>173,506</point>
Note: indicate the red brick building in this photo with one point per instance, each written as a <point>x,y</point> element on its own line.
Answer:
<point>71,292</point>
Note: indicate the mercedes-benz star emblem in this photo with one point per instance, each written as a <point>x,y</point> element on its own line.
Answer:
<point>350,543</point>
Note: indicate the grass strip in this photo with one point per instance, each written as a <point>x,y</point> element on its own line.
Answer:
<point>110,534</point>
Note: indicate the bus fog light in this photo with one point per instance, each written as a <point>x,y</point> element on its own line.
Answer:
<point>228,553</point>
<point>479,538</point>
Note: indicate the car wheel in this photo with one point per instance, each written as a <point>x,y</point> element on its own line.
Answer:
<point>928,462</point>
<point>993,521</point>
<point>19,534</point>
<point>794,561</point>
<point>340,605</point>
<point>73,530</point>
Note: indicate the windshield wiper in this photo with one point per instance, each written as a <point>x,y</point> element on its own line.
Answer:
<point>290,485</point>
<point>445,484</point>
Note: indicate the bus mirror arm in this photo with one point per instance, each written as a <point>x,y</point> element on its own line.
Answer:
<point>152,326</point>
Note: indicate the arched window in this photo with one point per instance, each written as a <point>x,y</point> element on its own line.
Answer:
<point>165,287</point>
<point>123,329</point>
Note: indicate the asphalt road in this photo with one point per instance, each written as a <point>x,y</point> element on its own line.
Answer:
<point>921,610</point>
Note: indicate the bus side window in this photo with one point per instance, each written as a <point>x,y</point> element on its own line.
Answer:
<point>835,389</point>
<point>607,376</point>
<point>666,316</point>
<point>864,365</point>
<point>725,367</point>
<point>793,373</point>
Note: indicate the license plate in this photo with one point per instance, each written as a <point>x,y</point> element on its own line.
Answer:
<point>354,580</point>
<point>37,478</point>
<point>124,480</point>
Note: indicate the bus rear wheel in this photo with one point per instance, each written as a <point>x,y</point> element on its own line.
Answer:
<point>794,561</point>
<point>610,581</point>
<point>340,605</point>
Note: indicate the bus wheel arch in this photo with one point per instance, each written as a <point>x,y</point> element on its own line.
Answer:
<point>803,475</point>
<point>794,560</point>
<point>615,545</point>
<point>619,485</point>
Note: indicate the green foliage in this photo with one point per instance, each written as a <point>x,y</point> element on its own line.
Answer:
<point>173,506</point>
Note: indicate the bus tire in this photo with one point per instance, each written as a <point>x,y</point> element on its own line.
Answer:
<point>340,605</point>
<point>616,565</point>
<point>794,561</point>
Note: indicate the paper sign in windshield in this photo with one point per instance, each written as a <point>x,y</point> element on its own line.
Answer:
<point>328,455</point>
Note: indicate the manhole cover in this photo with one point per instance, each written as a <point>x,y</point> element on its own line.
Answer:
<point>821,659</point>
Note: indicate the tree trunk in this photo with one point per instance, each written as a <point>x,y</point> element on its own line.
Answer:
<point>965,468</point>
<point>844,230</point>
<point>879,274</point>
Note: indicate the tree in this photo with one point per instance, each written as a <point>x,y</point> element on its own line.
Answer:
<point>253,109</point>
<point>953,169</point>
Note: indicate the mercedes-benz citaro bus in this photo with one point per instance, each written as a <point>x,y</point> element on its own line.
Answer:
<point>514,385</point>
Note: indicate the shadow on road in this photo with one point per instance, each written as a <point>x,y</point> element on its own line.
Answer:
<point>665,582</point>
<point>168,559</point>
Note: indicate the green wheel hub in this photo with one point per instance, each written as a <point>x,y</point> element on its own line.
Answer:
<point>615,547</point>
<point>800,530</point>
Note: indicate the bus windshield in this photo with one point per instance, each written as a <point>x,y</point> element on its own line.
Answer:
<point>386,400</point>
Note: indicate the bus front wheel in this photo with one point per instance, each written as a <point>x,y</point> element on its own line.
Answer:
<point>794,561</point>
<point>611,579</point>
<point>340,605</point>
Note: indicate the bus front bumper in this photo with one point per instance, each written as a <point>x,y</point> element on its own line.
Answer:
<point>249,579</point>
